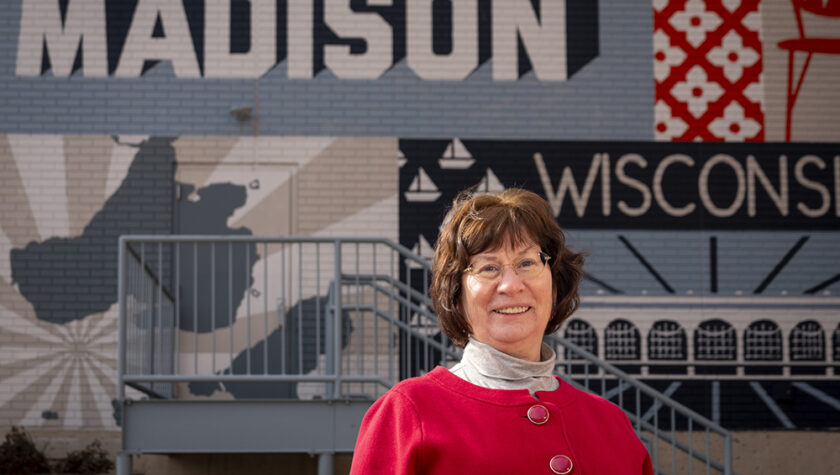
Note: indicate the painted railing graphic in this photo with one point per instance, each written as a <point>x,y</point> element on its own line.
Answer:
<point>241,320</point>
<point>808,44</point>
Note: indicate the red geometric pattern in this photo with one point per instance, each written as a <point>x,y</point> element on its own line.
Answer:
<point>707,70</point>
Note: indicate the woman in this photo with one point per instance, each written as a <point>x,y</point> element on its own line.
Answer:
<point>503,278</point>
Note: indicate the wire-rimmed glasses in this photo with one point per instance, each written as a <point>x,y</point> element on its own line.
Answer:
<point>525,267</point>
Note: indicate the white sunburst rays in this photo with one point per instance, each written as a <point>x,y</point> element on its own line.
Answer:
<point>29,361</point>
<point>272,161</point>
<point>73,416</point>
<point>94,370</point>
<point>82,353</point>
<point>93,349</point>
<point>34,417</point>
<point>5,249</point>
<point>40,163</point>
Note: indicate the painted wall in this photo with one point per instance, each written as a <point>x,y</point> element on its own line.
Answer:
<point>658,131</point>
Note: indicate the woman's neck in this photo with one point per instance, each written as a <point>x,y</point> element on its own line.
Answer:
<point>486,366</point>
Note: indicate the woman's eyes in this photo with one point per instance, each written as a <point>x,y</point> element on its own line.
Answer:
<point>526,263</point>
<point>496,268</point>
<point>488,269</point>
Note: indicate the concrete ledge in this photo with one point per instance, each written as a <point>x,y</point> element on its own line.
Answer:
<point>242,426</point>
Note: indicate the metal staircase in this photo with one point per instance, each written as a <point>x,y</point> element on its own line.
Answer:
<point>300,336</point>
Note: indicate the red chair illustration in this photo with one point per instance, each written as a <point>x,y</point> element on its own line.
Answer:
<point>809,45</point>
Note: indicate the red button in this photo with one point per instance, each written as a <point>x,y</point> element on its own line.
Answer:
<point>538,414</point>
<point>560,464</point>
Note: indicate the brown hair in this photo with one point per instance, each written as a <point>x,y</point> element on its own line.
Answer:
<point>481,222</point>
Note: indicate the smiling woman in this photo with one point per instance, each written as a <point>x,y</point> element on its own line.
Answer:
<point>503,278</point>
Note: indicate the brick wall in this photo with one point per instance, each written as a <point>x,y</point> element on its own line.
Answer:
<point>302,139</point>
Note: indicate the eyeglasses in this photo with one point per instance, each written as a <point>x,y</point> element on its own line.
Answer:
<point>526,268</point>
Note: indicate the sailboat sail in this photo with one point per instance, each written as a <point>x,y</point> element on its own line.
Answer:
<point>490,183</point>
<point>422,249</point>
<point>456,156</point>
<point>422,188</point>
<point>401,160</point>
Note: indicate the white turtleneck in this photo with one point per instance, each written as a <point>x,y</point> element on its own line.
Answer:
<point>488,367</point>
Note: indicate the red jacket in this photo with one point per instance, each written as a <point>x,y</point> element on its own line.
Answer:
<point>441,424</point>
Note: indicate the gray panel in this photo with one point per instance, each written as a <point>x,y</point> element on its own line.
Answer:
<point>611,96</point>
<point>242,426</point>
<point>745,260</point>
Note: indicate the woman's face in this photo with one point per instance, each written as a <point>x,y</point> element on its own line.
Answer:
<point>511,312</point>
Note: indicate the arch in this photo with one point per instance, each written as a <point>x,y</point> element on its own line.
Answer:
<point>622,341</point>
<point>836,343</point>
<point>715,340</point>
<point>667,341</point>
<point>807,341</point>
<point>581,334</point>
<point>763,341</point>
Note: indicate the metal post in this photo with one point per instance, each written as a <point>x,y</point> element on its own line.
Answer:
<point>329,350</point>
<point>325,464</point>
<point>123,463</point>
<point>121,290</point>
<point>337,322</point>
<point>727,454</point>
<point>123,458</point>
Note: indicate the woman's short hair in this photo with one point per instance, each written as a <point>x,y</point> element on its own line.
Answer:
<point>485,222</point>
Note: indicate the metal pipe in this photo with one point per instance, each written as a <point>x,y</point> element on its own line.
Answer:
<point>121,338</point>
<point>243,378</point>
<point>325,463</point>
<point>337,320</point>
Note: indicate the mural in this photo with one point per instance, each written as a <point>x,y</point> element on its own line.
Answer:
<point>689,146</point>
<point>722,258</point>
<point>707,68</point>
<point>63,346</point>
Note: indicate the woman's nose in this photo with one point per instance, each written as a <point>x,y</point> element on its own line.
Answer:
<point>509,281</point>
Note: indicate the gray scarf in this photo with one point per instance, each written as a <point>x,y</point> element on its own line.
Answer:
<point>488,367</point>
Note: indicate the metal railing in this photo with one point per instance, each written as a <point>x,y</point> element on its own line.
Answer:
<point>729,370</point>
<point>273,317</point>
<point>687,435</point>
<point>329,318</point>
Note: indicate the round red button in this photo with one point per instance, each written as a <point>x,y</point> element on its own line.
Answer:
<point>560,464</point>
<point>538,414</point>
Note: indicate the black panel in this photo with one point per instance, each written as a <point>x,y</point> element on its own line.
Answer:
<point>514,163</point>
<point>581,33</point>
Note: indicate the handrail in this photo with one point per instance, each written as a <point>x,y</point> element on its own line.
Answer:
<point>644,388</point>
<point>369,279</point>
<point>364,295</point>
<point>657,396</point>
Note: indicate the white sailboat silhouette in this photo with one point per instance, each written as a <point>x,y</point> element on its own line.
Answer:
<point>422,249</point>
<point>423,324</point>
<point>422,188</point>
<point>489,183</point>
<point>456,156</point>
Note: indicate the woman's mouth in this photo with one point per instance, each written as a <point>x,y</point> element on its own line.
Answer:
<point>512,310</point>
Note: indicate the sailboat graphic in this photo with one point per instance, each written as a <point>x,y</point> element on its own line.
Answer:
<point>423,324</point>
<point>422,188</point>
<point>456,156</point>
<point>422,249</point>
<point>489,183</point>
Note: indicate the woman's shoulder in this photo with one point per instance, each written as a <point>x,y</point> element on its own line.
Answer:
<point>424,383</point>
<point>411,389</point>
